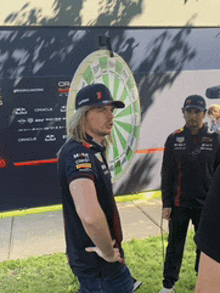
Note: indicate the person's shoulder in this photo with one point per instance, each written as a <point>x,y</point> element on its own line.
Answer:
<point>72,147</point>
<point>176,133</point>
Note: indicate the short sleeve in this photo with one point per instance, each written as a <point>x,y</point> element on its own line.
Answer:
<point>78,164</point>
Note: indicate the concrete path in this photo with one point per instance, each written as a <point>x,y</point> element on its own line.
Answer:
<point>40,234</point>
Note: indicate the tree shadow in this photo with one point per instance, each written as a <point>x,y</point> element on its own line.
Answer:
<point>162,72</point>
<point>37,52</point>
<point>68,13</point>
<point>139,176</point>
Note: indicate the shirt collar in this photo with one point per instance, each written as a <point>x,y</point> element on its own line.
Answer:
<point>201,130</point>
<point>98,146</point>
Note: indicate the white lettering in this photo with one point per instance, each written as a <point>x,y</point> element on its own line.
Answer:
<point>28,90</point>
<point>25,139</point>
<point>43,109</point>
<point>63,83</point>
<point>83,101</point>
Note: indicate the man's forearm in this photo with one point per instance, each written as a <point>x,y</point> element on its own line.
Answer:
<point>98,231</point>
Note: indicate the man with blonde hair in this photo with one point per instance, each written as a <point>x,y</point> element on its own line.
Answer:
<point>92,224</point>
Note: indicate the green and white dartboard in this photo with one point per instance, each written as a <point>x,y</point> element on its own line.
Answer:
<point>99,67</point>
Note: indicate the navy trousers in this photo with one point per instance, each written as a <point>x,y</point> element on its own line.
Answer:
<point>178,226</point>
<point>114,283</point>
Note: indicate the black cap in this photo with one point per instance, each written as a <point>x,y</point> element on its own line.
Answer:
<point>96,95</point>
<point>195,101</point>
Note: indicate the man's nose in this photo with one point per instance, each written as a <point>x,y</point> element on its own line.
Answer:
<point>110,114</point>
<point>193,114</point>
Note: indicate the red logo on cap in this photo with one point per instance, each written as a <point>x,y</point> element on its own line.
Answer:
<point>189,102</point>
<point>99,95</point>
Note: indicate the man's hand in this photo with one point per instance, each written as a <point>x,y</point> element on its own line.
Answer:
<point>166,213</point>
<point>114,258</point>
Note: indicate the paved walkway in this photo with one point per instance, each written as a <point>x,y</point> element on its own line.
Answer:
<point>40,234</point>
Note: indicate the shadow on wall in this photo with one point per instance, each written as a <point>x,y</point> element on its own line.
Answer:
<point>67,12</point>
<point>162,72</point>
<point>139,176</point>
<point>162,60</point>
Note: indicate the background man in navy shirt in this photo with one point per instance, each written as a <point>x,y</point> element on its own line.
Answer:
<point>92,225</point>
<point>190,158</point>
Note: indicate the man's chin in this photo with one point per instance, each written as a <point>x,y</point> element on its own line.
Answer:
<point>106,133</point>
<point>193,125</point>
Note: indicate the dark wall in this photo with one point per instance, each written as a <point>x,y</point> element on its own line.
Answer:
<point>37,66</point>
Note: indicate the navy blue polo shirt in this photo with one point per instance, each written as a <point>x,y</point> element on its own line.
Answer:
<point>79,160</point>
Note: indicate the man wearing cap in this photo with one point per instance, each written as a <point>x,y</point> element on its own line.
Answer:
<point>190,158</point>
<point>92,224</point>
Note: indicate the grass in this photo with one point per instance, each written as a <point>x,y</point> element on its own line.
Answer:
<point>52,208</point>
<point>51,273</point>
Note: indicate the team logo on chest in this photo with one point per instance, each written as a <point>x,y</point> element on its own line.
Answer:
<point>180,143</point>
<point>207,143</point>
<point>207,139</point>
<point>180,139</point>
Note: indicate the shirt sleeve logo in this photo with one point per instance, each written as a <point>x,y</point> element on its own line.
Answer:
<point>84,166</point>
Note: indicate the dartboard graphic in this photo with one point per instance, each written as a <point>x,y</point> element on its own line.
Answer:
<point>100,67</point>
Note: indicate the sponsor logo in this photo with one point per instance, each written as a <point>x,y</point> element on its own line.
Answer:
<point>30,120</point>
<point>21,121</point>
<point>180,139</point>
<point>179,148</point>
<point>54,119</point>
<point>207,139</point>
<point>80,161</point>
<point>20,111</point>
<point>35,90</point>
<point>50,137</point>
<point>63,109</point>
<point>206,148</point>
<point>80,155</point>
<point>39,120</point>
<point>63,83</point>
<point>63,90</point>
<point>43,109</point>
<point>27,139</point>
<point>84,166</point>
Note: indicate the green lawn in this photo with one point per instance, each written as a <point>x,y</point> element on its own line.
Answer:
<point>51,273</point>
